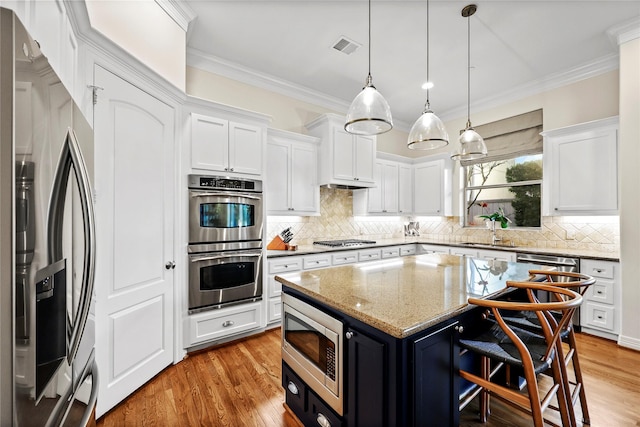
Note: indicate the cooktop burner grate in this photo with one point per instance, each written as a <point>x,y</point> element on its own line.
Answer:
<point>345,242</point>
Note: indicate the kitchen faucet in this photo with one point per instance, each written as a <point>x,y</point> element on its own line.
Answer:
<point>494,239</point>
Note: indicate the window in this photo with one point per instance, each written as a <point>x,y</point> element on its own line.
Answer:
<point>513,185</point>
<point>509,179</point>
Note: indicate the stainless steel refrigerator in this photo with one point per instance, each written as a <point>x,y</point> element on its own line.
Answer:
<point>48,375</point>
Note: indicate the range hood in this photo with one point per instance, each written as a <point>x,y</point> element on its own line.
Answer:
<point>345,186</point>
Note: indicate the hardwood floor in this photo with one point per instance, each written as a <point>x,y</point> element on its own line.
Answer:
<point>238,384</point>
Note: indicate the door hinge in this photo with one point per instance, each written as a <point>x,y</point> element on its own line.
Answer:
<point>94,90</point>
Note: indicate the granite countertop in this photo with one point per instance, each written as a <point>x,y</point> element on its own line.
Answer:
<point>586,254</point>
<point>402,296</point>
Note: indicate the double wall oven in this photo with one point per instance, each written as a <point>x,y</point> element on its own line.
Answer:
<point>225,241</point>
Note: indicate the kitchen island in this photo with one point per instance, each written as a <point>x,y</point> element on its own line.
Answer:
<point>401,322</point>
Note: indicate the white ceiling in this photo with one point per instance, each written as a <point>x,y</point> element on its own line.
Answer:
<point>518,48</point>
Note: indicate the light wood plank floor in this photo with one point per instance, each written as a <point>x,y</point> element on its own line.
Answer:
<point>238,384</point>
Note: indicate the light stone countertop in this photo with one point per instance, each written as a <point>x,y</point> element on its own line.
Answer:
<point>579,253</point>
<point>405,295</point>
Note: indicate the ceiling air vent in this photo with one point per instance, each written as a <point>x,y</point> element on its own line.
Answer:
<point>346,46</point>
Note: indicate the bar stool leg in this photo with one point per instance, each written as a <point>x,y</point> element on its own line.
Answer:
<point>586,419</point>
<point>485,373</point>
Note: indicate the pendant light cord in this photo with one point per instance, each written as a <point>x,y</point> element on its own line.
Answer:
<point>369,40</point>
<point>468,71</point>
<point>427,106</point>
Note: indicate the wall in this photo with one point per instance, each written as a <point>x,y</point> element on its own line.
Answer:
<point>145,31</point>
<point>629,195</point>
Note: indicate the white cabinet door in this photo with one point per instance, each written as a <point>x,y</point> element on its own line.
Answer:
<point>343,155</point>
<point>209,143</point>
<point>428,188</point>
<point>305,192</point>
<point>497,255</point>
<point>581,169</point>
<point>365,154</point>
<point>390,187</point>
<point>292,178</point>
<point>278,178</point>
<point>245,149</point>
<point>135,180</point>
<point>405,189</point>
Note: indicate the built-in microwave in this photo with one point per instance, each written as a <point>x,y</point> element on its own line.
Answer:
<point>312,344</point>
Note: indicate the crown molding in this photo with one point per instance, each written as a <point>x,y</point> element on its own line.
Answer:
<point>624,32</point>
<point>553,81</point>
<point>179,11</point>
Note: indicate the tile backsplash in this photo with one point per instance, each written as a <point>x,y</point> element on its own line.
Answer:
<point>336,221</point>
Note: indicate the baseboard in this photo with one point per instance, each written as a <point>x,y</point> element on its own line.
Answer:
<point>629,342</point>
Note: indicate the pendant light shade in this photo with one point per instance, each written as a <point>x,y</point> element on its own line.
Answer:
<point>369,113</point>
<point>428,132</point>
<point>471,144</point>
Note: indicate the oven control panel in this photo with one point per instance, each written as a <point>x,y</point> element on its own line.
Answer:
<point>209,182</point>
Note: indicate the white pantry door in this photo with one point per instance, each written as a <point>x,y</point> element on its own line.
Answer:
<point>134,143</point>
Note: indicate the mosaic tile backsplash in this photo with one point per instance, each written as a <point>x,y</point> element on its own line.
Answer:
<point>336,221</point>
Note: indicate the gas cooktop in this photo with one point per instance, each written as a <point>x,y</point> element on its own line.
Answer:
<point>345,242</point>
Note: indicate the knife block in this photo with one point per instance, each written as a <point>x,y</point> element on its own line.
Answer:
<point>277,244</point>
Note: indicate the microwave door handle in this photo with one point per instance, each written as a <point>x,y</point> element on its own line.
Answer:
<point>216,193</point>
<point>210,258</point>
<point>71,156</point>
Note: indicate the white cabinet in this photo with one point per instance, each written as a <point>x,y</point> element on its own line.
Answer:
<point>369,254</point>
<point>344,257</point>
<point>432,189</point>
<point>291,176</point>
<point>217,324</point>
<point>383,198</point>
<point>434,249</point>
<point>485,254</point>
<point>390,252</point>
<point>407,250</point>
<point>221,145</point>
<point>275,266</point>
<point>581,169</point>
<point>344,159</point>
<point>600,310</point>
<point>405,189</point>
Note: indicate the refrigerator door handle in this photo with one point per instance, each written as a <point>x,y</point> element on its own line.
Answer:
<point>91,405</point>
<point>71,156</point>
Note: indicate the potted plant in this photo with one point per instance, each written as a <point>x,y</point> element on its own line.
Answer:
<point>498,216</point>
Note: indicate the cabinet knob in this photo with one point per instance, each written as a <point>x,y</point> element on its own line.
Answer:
<point>349,335</point>
<point>228,323</point>
<point>322,420</point>
<point>231,169</point>
<point>598,270</point>
<point>459,328</point>
<point>555,209</point>
<point>293,388</point>
<point>170,265</point>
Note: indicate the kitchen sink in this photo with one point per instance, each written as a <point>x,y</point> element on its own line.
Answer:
<point>488,245</point>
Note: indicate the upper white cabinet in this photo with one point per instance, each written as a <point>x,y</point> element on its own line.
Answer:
<point>581,169</point>
<point>344,159</point>
<point>432,187</point>
<point>383,198</point>
<point>291,177</point>
<point>225,146</point>
<point>405,189</point>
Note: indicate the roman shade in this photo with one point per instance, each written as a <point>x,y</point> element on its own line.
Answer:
<point>511,137</point>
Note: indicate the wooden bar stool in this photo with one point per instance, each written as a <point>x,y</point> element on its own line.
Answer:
<point>580,283</point>
<point>500,344</point>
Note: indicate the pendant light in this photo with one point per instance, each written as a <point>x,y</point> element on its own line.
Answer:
<point>472,145</point>
<point>428,132</point>
<point>369,113</point>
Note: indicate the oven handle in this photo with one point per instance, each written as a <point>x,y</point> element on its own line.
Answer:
<point>235,255</point>
<point>217,193</point>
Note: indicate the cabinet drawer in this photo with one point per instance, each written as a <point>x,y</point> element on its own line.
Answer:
<point>217,324</point>
<point>407,250</point>
<point>320,414</point>
<point>274,288</point>
<point>596,268</point>
<point>434,249</point>
<point>390,252</point>
<point>368,255</point>
<point>274,310</point>
<point>598,316</point>
<point>295,392</point>
<point>341,258</point>
<point>284,264</point>
<point>316,261</point>
<point>603,291</point>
